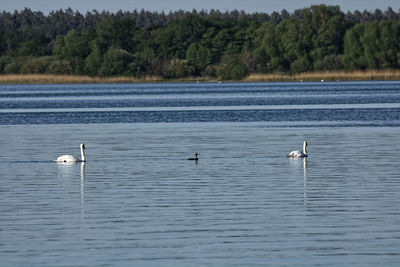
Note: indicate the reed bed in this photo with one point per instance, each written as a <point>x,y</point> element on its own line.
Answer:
<point>68,79</point>
<point>371,75</point>
<point>368,75</point>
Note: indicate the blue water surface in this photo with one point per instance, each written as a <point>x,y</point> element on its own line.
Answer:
<point>137,201</point>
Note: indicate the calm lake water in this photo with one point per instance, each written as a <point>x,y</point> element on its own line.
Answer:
<point>137,201</point>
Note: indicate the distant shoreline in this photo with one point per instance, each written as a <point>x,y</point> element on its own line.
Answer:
<point>369,75</point>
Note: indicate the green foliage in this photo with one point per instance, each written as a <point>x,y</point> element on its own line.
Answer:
<point>389,45</point>
<point>60,67</point>
<point>198,57</point>
<point>4,60</point>
<point>36,65</point>
<point>330,62</point>
<point>220,42</point>
<point>115,33</point>
<point>374,45</point>
<point>300,65</point>
<point>271,45</point>
<point>94,61</point>
<point>353,57</point>
<point>227,45</point>
<point>178,68</point>
<point>115,62</point>
<point>12,68</point>
<point>231,68</point>
<point>74,48</point>
<point>147,62</point>
<point>31,48</point>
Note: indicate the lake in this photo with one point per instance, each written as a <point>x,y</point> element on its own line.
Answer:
<point>137,201</point>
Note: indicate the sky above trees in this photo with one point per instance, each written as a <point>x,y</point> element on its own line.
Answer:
<point>172,5</point>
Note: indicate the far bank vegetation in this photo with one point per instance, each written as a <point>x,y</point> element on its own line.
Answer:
<point>316,43</point>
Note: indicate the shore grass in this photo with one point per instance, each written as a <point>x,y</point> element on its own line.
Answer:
<point>69,79</point>
<point>369,75</point>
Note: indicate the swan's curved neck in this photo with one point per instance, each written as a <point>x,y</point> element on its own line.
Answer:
<point>83,154</point>
<point>305,148</point>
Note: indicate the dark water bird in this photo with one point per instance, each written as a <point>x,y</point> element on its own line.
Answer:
<point>196,157</point>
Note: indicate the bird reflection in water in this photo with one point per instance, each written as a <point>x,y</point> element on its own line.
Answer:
<point>70,170</point>
<point>296,162</point>
<point>305,180</point>
<point>82,191</point>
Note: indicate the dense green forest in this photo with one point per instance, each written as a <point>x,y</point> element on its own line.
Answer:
<point>181,44</point>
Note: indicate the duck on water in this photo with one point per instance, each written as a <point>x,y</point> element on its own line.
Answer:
<point>196,157</point>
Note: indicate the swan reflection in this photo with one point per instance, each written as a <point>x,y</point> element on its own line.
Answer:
<point>305,180</point>
<point>82,181</point>
<point>297,162</point>
<point>82,192</point>
<point>69,174</point>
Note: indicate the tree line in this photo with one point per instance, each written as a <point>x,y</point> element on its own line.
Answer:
<point>180,44</point>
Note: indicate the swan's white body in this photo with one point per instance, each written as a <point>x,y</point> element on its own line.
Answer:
<point>71,159</point>
<point>299,154</point>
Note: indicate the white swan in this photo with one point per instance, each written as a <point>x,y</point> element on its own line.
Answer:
<point>69,158</point>
<point>299,154</point>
